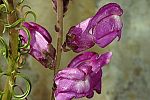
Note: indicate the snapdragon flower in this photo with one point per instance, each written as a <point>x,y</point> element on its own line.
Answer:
<point>40,45</point>
<point>100,29</point>
<point>81,77</point>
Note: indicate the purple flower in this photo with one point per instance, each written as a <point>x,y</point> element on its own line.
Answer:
<point>82,76</point>
<point>65,5</point>
<point>40,45</point>
<point>101,29</point>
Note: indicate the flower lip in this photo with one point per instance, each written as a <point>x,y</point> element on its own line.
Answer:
<point>81,58</point>
<point>107,30</point>
<point>35,27</point>
<point>106,11</point>
<point>117,23</point>
<point>90,59</point>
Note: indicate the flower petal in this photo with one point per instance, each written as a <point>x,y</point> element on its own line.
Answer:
<point>77,39</point>
<point>81,58</point>
<point>71,73</point>
<point>106,11</point>
<point>107,30</point>
<point>90,59</point>
<point>65,96</point>
<point>99,61</point>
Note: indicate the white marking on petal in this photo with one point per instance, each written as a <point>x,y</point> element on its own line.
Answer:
<point>116,17</point>
<point>83,86</point>
<point>108,58</point>
<point>41,40</point>
<point>91,31</point>
<point>83,25</point>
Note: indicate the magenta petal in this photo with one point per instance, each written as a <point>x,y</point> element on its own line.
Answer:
<point>77,39</point>
<point>71,74</point>
<point>42,30</point>
<point>96,81</point>
<point>91,59</point>
<point>107,30</point>
<point>97,88</point>
<point>90,95</point>
<point>99,61</point>
<point>65,84</point>
<point>106,11</point>
<point>65,96</point>
<point>79,87</point>
<point>86,56</point>
<point>103,42</point>
<point>40,45</point>
<point>34,27</point>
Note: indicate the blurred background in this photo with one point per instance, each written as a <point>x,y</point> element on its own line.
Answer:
<point>127,77</point>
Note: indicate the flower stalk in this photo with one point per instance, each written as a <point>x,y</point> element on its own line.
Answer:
<point>59,30</point>
<point>13,53</point>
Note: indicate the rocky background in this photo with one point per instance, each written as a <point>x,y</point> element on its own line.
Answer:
<point>127,77</point>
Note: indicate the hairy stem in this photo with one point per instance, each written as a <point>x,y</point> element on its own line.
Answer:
<point>13,53</point>
<point>59,26</point>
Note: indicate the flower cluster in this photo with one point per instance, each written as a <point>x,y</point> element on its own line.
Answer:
<point>83,74</point>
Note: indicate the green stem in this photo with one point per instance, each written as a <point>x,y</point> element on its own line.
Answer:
<point>13,53</point>
<point>59,26</point>
<point>1,30</point>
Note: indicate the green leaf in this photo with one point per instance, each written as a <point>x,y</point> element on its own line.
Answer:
<point>2,41</point>
<point>28,87</point>
<point>30,12</point>
<point>25,6</point>
<point>19,3</point>
<point>29,38</point>
<point>3,6</point>
<point>15,23</point>
<point>1,94</point>
<point>1,69</point>
<point>6,5</point>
